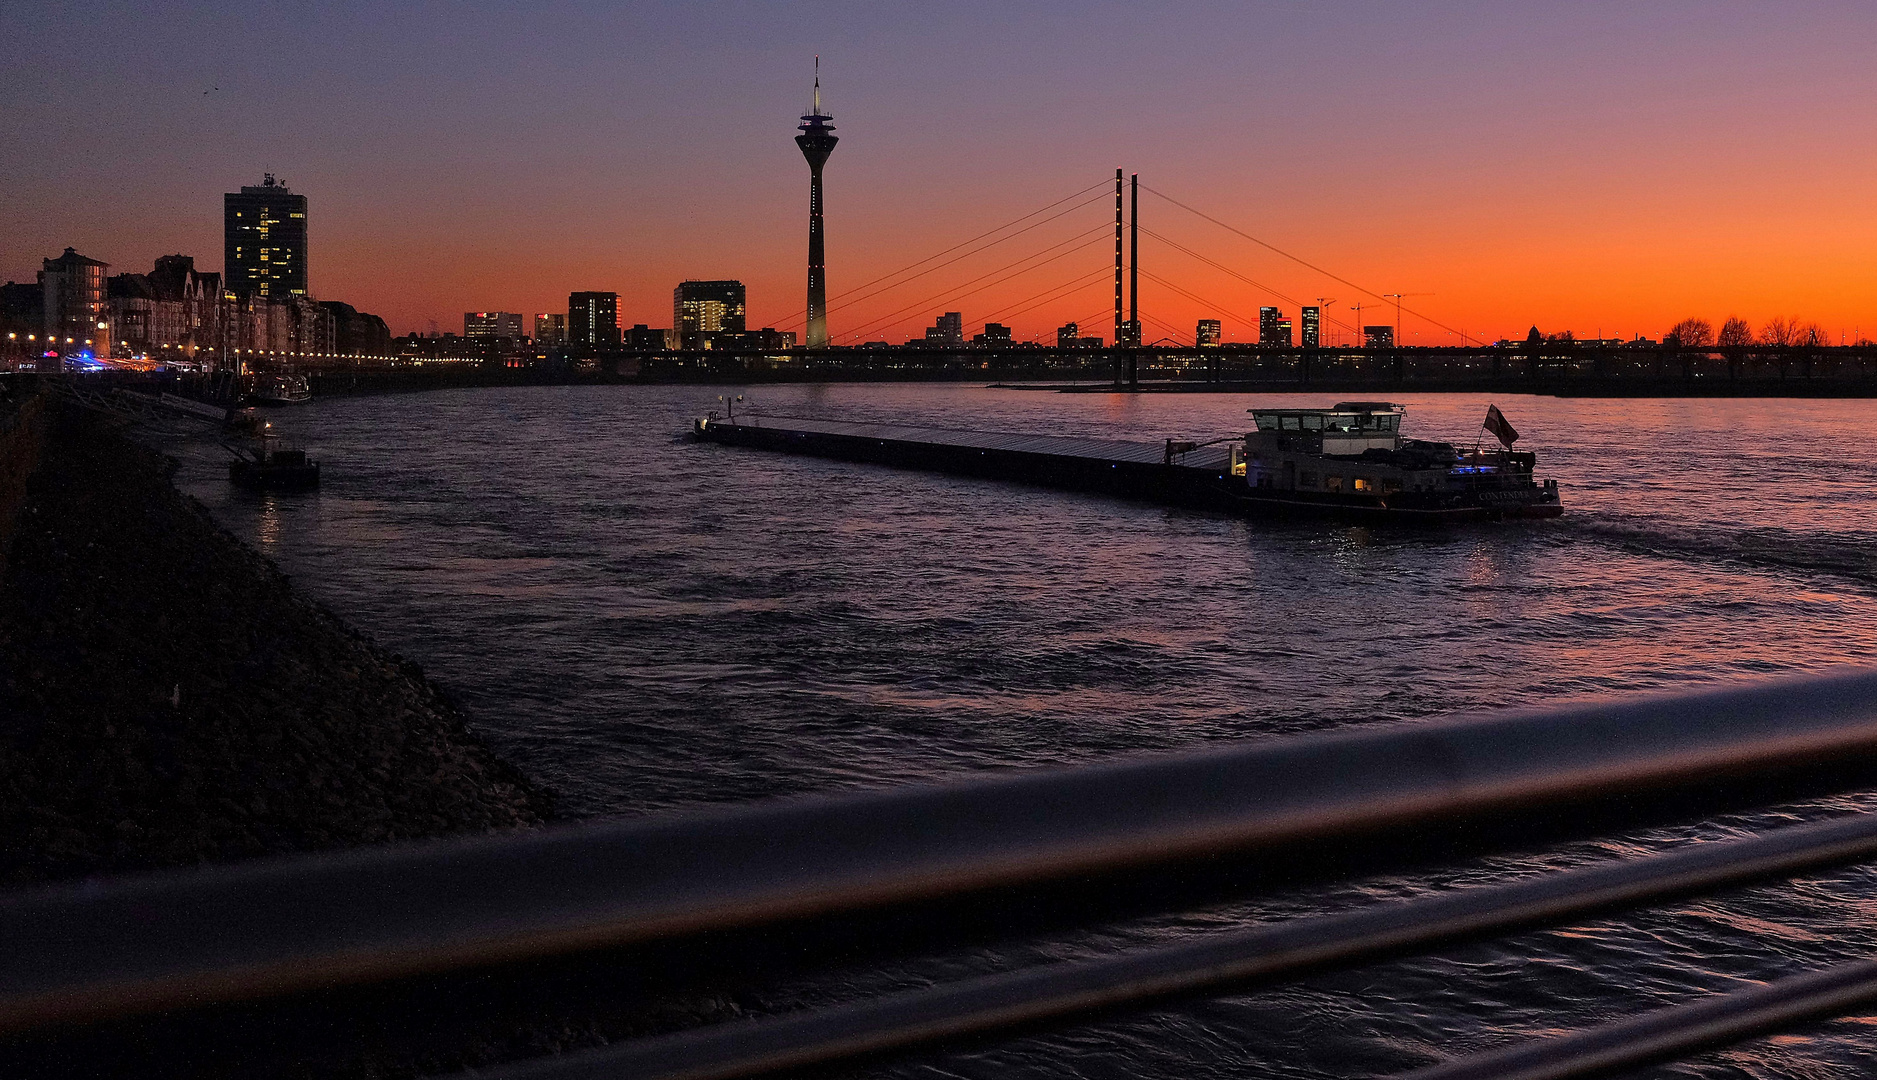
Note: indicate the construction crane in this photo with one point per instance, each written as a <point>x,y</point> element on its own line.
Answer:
<point>1323,304</point>
<point>1396,296</point>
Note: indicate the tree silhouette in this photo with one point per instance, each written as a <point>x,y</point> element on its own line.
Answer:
<point>1734,332</point>
<point>1690,334</point>
<point>1779,331</point>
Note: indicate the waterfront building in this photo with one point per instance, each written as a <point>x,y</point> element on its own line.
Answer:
<point>700,309</point>
<point>949,330</point>
<point>994,334</point>
<point>768,339</point>
<point>357,333</point>
<point>76,316</point>
<point>1131,332</point>
<point>1068,336</point>
<point>550,328</point>
<point>1378,337</point>
<point>1312,327</point>
<point>1280,333</point>
<point>816,141</point>
<point>641,336</point>
<point>173,312</point>
<point>593,318</point>
<point>1207,333</point>
<point>264,241</point>
<point>492,324</point>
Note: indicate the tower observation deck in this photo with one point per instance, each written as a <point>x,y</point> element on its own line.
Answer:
<point>817,142</point>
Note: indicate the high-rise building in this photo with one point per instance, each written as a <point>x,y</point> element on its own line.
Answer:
<point>1312,327</point>
<point>264,241</point>
<point>76,312</point>
<point>1208,332</point>
<point>1268,318</point>
<point>1280,333</point>
<point>994,334</point>
<point>491,324</point>
<point>817,142</point>
<point>593,318</point>
<point>550,328</point>
<point>1068,335</point>
<point>1378,337</point>
<point>949,330</point>
<point>702,308</point>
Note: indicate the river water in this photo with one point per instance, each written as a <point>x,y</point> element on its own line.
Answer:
<point>643,623</point>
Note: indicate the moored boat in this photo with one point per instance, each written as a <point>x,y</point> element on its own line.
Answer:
<point>276,390</point>
<point>265,467</point>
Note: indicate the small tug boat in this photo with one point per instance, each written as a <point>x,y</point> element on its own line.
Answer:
<point>1351,457</point>
<point>264,467</point>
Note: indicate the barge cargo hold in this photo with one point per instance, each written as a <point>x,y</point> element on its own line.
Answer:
<point>1235,475</point>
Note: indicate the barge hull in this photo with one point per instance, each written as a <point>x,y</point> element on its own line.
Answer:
<point>1138,471</point>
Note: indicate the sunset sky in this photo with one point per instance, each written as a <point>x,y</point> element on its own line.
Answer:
<point>1606,168</point>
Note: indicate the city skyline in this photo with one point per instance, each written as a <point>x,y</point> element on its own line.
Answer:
<point>1603,171</point>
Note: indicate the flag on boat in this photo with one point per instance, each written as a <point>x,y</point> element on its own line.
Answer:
<point>1497,424</point>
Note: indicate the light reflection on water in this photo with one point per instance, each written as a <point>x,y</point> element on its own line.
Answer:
<point>645,623</point>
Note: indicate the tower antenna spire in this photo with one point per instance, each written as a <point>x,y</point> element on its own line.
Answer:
<point>817,141</point>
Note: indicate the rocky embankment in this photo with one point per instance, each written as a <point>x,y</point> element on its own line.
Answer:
<point>167,699</point>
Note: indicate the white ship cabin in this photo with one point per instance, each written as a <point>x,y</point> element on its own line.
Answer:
<point>1346,429</point>
<point>1351,448</point>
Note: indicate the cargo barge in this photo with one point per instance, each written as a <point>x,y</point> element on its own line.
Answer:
<point>1348,461</point>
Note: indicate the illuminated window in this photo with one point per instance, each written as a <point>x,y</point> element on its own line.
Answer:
<point>1363,483</point>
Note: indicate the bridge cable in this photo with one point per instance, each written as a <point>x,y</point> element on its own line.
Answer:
<point>1223,268</point>
<point>1103,185</point>
<point>1305,263</point>
<point>1065,289</point>
<point>952,294</point>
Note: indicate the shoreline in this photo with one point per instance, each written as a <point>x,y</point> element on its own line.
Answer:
<point>169,699</point>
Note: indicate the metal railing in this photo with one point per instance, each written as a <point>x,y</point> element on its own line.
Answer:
<point>94,950</point>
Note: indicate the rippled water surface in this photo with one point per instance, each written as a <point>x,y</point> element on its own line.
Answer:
<point>645,623</point>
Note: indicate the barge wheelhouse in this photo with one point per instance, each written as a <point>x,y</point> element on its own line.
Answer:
<point>1352,457</point>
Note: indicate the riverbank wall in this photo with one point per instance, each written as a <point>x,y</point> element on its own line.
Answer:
<point>167,698</point>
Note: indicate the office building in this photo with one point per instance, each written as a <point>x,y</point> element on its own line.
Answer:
<point>593,318</point>
<point>1378,337</point>
<point>264,241</point>
<point>1312,327</point>
<point>1268,318</point>
<point>994,334</point>
<point>76,315</point>
<point>492,324</point>
<point>817,142</point>
<point>949,330</point>
<point>1207,333</point>
<point>1280,333</point>
<point>702,308</point>
<point>550,329</point>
